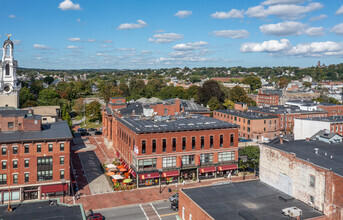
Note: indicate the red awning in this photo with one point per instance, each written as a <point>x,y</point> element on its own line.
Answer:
<point>227,167</point>
<point>118,154</point>
<point>54,188</point>
<point>170,173</point>
<point>133,173</point>
<point>149,176</point>
<point>207,169</point>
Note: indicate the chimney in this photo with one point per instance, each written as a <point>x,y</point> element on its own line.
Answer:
<point>281,139</point>
<point>307,139</point>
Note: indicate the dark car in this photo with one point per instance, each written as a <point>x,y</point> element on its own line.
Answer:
<point>95,216</point>
<point>175,205</point>
<point>92,129</point>
<point>98,133</point>
<point>174,197</point>
<point>81,130</point>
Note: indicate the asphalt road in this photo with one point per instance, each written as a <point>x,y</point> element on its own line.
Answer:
<point>136,211</point>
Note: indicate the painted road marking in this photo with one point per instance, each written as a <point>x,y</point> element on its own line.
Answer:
<point>155,211</point>
<point>175,213</point>
<point>143,211</point>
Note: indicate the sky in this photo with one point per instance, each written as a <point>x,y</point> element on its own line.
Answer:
<point>139,34</point>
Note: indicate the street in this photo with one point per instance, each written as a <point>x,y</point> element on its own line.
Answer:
<point>161,210</point>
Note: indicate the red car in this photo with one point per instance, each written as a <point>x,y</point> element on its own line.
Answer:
<point>95,216</point>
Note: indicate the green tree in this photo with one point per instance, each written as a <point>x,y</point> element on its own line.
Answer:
<point>26,96</point>
<point>229,104</point>
<point>253,81</point>
<point>283,82</point>
<point>253,156</point>
<point>48,80</point>
<point>210,89</point>
<point>307,84</point>
<point>238,94</point>
<point>48,97</point>
<point>36,87</point>
<point>93,111</point>
<point>193,91</point>
<point>214,104</point>
<point>124,89</point>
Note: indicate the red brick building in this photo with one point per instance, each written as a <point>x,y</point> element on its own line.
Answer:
<point>34,157</point>
<point>264,97</point>
<point>331,109</point>
<point>184,146</point>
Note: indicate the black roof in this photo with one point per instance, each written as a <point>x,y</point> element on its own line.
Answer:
<point>281,109</point>
<point>13,113</point>
<point>253,199</point>
<point>248,115</point>
<point>54,131</point>
<point>337,119</point>
<point>43,210</point>
<point>136,107</point>
<point>174,123</point>
<point>305,150</point>
<point>8,41</point>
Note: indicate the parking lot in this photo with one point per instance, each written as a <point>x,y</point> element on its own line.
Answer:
<point>151,211</point>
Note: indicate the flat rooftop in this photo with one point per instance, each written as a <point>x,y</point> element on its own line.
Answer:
<point>305,150</point>
<point>337,119</point>
<point>247,115</point>
<point>253,198</point>
<point>43,210</point>
<point>54,131</point>
<point>281,109</point>
<point>173,123</point>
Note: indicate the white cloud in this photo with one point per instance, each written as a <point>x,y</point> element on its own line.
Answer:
<point>78,20</point>
<point>277,2</point>
<point>41,47</point>
<point>75,39</point>
<point>315,31</point>
<point>107,41</point>
<point>183,14</point>
<point>11,16</point>
<point>284,47</point>
<point>290,28</point>
<point>105,46</point>
<point>340,11</point>
<point>39,58</point>
<point>159,31</point>
<point>289,11</point>
<point>91,40</point>
<point>234,34</point>
<point>73,47</point>
<point>319,17</point>
<point>16,42</point>
<point>165,38</point>
<point>190,46</point>
<point>338,29</point>
<point>126,49</point>
<point>69,5</point>
<point>128,26</point>
<point>234,13</point>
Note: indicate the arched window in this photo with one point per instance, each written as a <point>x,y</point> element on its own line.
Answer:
<point>7,69</point>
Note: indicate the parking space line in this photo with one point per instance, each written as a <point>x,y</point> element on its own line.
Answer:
<point>175,213</point>
<point>155,211</point>
<point>143,211</point>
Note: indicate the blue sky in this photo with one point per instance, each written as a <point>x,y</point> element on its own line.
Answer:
<point>126,34</point>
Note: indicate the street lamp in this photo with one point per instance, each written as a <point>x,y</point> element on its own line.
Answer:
<point>160,173</point>
<point>63,181</point>
<point>244,159</point>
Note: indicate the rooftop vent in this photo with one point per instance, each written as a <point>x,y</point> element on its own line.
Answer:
<point>292,212</point>
<point>316,150</point>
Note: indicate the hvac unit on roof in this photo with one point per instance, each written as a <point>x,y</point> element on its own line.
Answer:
<point>292,211</point>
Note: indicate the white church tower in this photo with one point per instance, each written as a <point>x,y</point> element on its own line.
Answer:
<point>9,88</point>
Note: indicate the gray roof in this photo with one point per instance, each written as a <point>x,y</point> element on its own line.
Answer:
<point>272,92</point>
<point>55,131</point>
<point>248,115</point>
<point>13,113</point>
<point>305,150</point>
<point>137,107</point>
<point>324,134</point>
<point>281,109</point>
<point>42,210</point>
<point>174,124</point>
<point>190,106</point>
<point>255,199</point>
<point>337,119</point>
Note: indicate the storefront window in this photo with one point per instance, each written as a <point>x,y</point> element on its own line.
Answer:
<point>188,160</point>
<point>169,162</point>
<point>147,164</point>
<point>226,156</point>
<point>206,158</point>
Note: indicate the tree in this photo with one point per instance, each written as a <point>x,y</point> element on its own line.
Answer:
<point>48,97</point>
<point>93,111</point>
<point>36,87</point>
<point>124,89</point>
<point>214,104</point>
<point>78,105</point>
<point>193,91</point>
<point>26,96</point>
<point>210,89</point>
<point>48,80</point>
<point>307,84</point>
<point>253,81</point>
<point>283,82</point>
<point>229,104</point>
<point>253,155</point>
<point>238,94</point>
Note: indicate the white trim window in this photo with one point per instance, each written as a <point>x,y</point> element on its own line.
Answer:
<point>169,162</point>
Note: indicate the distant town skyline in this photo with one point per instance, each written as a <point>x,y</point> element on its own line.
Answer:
<point>139,34</point>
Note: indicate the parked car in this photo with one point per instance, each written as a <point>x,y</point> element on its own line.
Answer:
<point>174,205</point>
<point>92,129</point>
<point>95,216</point>
<point>81,130</point>
<point>98,133</point>
<point>174,197</point>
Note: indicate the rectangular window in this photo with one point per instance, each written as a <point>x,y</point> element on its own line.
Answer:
<point>174,144</point>
<point>168,162</point>
<point>3,179</point>
<point>312,181</point>
<point>183,143</point>
<point>188,160</point>
<point>221,140</point>
<point>61,174</point>
<point>206,158</point>
<point>312,199</point>
<point>248,122</point>
<point>15,164</point>
<point>154,146</point>
<point>248,129</point>
<point>26,149</point>
<point>15,178</point>
<point>4,165</point>
<point>166,111</point>
<point>44,168</point>
<point>10,124</point>
<point>226,156</point>
<point>26,177</point>
<point>15,150</point>
<point>164,145</point>
<point>61,146</point>
<point>147,164</point>
<point>50,147</point>
<point>61,160</point>
<point>3,151</point>
<point>143,147</point>
<point>211,141</point>
<point>231,139</point>
<point>202,142</point>
<point>193,143</point>
<point>26,163</point>
<point>39,148</point>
